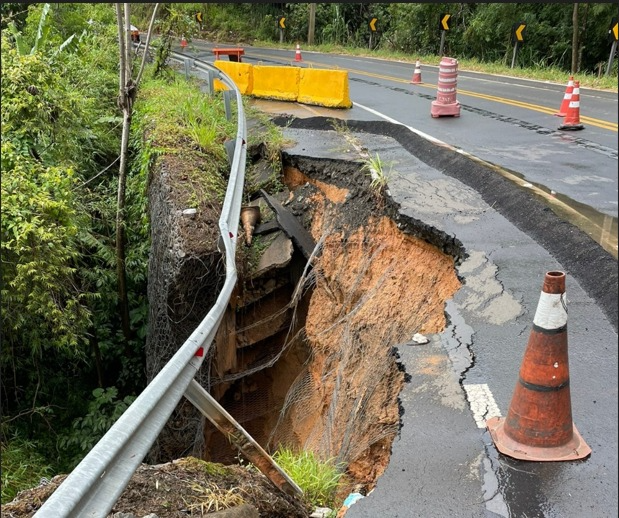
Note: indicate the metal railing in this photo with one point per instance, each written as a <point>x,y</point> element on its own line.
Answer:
<point>94,486</point>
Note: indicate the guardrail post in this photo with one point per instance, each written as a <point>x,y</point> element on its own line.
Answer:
<point>227,96</point>
<point>230,146</point>
<point>187,68</point>
<point>209,83</point>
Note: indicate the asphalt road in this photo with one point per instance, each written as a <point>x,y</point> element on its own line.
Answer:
<point>444,463</point>
<point>506,122</point>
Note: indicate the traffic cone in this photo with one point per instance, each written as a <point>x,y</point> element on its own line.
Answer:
<point>297,54</point>
<point>572,119</point>
<point>567,96</point>
<point>539,426</point>
<point>417,74</point>
<point>183,42</point>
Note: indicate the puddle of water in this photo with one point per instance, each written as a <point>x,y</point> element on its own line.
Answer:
<point>602,228</point>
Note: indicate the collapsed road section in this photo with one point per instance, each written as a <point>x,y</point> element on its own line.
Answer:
<point>332,279</point>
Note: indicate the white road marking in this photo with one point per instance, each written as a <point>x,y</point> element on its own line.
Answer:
<point>482,403</point>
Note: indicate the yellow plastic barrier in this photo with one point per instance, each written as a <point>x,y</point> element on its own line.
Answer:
<point>305,85</point>
<point>240,73</point>
<point>324,88</point>
<point>280,83</point>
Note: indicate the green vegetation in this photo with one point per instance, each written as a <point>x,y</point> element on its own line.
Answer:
<point>22,466</point>
<point>318,479</point>
<point>60,143</point>
<point>61,134</point>
<point>378,173</point>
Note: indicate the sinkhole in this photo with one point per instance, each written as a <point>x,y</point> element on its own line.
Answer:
<point>307,353</point>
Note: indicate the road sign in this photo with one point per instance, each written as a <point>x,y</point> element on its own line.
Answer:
<point>373,24</point>
<point>613,30</point>
<point>518,29</point>
<point>280,22</point>
<point>199,17</point>
<point>444,22</point>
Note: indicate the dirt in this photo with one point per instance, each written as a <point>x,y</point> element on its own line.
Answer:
<point>185,487</point>
<point>376,286</point>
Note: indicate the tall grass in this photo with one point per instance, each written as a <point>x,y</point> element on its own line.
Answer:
<point>318,479</point>
<point>22,467</point>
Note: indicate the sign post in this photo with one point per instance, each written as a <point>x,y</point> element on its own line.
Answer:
<point>282,26</point>
<point>443,25</point>
<point>518,33</point>
<point>372,25</point>
<point>613,34</point>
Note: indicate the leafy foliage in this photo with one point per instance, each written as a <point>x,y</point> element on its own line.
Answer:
<point>60,139</point>
<point>103,411</point>
<point>478,31</point>
<point>42,304</point>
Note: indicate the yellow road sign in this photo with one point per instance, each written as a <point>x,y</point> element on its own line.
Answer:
<point>445,22</point>
<point>616,31</point>
<point>373,24</point>
<point>199,17</point>
<point>281,23</point>
<point>518,32</point>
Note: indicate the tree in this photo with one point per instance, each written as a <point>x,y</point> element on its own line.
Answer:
<point>126,97</point>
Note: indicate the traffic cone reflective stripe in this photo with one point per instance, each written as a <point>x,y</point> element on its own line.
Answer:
<point>572,119</point>
<point>567,96</point>
<point>416,73</point>
<point>539,426</point>
<point>297,55</point>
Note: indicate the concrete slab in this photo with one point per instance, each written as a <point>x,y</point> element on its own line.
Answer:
<point>277,255</point>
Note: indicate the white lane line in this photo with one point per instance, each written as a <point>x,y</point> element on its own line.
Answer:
<point>389,119</point>
<point>482,403</point>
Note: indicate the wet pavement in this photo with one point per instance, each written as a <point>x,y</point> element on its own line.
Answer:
<point>443,462</point>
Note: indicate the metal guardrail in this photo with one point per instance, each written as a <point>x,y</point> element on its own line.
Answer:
<point>94,486</point>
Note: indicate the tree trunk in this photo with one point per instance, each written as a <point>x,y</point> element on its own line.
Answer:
<point>575,39</point>
<point>125,102</point>
<point>121,270</point>
<point>312,24</point>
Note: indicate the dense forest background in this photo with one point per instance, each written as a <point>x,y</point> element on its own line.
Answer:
<point>481,31</point>
<point>69,366</point>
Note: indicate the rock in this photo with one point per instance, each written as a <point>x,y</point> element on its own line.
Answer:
<point>419,339</point>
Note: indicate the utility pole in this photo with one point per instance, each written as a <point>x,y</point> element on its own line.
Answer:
<point>312,24</point>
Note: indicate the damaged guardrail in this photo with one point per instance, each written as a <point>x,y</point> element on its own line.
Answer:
<point>97,482</point>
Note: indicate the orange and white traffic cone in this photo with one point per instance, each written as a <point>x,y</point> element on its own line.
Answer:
<point>417,74</point>
<point>567,96</point>
<point>572,119</point>
<point>183,42</point>
<point>297,54</point>
<point>539,426</point>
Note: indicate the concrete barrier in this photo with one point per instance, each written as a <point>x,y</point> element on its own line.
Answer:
<point>240,73</point>
<point>288,83</point>
<point>324,88</point>
<point>279,83</point>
